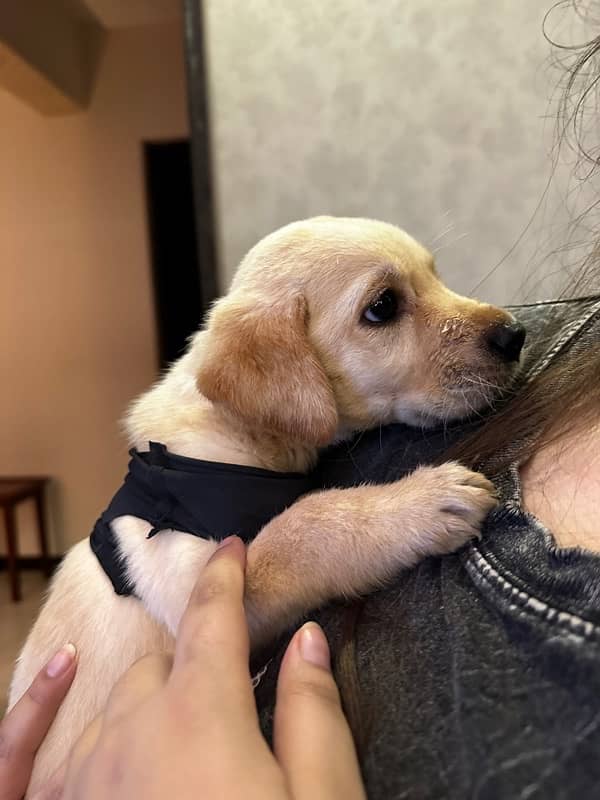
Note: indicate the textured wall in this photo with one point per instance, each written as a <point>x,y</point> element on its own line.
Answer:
<point>427,114</point>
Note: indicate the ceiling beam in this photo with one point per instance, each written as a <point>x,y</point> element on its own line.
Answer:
<point>49,52</point>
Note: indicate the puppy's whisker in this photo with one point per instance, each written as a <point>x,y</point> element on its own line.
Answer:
<point>444,232</point>
<point>477,380</point>
<point>472,409</point>
<point>355,443</point>
<point>451,243</point>
<point>481,381</point>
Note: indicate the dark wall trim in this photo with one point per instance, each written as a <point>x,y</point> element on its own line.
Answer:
<point>197,88</point>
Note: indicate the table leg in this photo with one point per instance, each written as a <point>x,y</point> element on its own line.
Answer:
<point>11,541</point>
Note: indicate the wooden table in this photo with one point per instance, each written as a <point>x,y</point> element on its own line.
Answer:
<point>12,492</point>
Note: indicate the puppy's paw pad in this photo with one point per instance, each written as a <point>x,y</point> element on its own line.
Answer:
<point>456,502</point>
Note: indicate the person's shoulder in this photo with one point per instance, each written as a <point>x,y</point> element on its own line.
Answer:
<point>553,325</point>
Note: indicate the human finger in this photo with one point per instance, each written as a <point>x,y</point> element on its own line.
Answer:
<point>212,648</point>
<point>143,679</point>
<point>23,729</point>
<point>312,739</point>
<point>147,676</point>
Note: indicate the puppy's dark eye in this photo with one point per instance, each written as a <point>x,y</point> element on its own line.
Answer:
<point>383,309</point>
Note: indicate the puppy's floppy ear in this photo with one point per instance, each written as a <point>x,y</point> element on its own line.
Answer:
<point>260,365</point>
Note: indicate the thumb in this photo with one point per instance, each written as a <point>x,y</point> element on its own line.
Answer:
<point>312,740</point>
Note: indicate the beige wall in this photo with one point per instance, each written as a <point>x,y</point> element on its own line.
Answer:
<point>76,319</point>
<point>432,115</point>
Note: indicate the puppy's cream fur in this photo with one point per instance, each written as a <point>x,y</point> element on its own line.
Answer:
<point>285,365</point>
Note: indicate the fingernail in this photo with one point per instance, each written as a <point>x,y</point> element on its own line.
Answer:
<point>61,661</point>
<point>313,645</point>
<point>225,542</point>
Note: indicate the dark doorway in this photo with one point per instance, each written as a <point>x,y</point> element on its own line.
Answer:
<point>178,296</point>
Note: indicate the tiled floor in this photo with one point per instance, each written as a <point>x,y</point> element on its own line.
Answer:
<point>15,622</point>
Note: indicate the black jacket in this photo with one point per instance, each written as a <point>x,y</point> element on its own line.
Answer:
<point>202,498</point>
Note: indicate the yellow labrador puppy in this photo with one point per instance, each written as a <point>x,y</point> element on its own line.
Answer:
<point>330,326</point>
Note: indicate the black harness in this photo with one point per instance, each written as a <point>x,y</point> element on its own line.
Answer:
<point>202,498</point>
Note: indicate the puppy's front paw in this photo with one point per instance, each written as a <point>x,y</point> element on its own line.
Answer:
<point>452,502</point>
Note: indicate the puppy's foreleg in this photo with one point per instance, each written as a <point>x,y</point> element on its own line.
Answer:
<point>345,542</point>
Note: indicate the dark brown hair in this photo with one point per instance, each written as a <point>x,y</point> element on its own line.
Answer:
<point>563,398</point>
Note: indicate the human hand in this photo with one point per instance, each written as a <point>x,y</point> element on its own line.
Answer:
<point>24,727</point>
<point>177,727</point>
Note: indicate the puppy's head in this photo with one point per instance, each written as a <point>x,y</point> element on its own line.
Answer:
<point>336,324</point>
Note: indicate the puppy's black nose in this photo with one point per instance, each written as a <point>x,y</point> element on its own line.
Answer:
<point>506,340</point>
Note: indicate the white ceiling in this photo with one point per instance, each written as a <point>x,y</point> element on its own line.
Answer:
<point>129,13</point>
